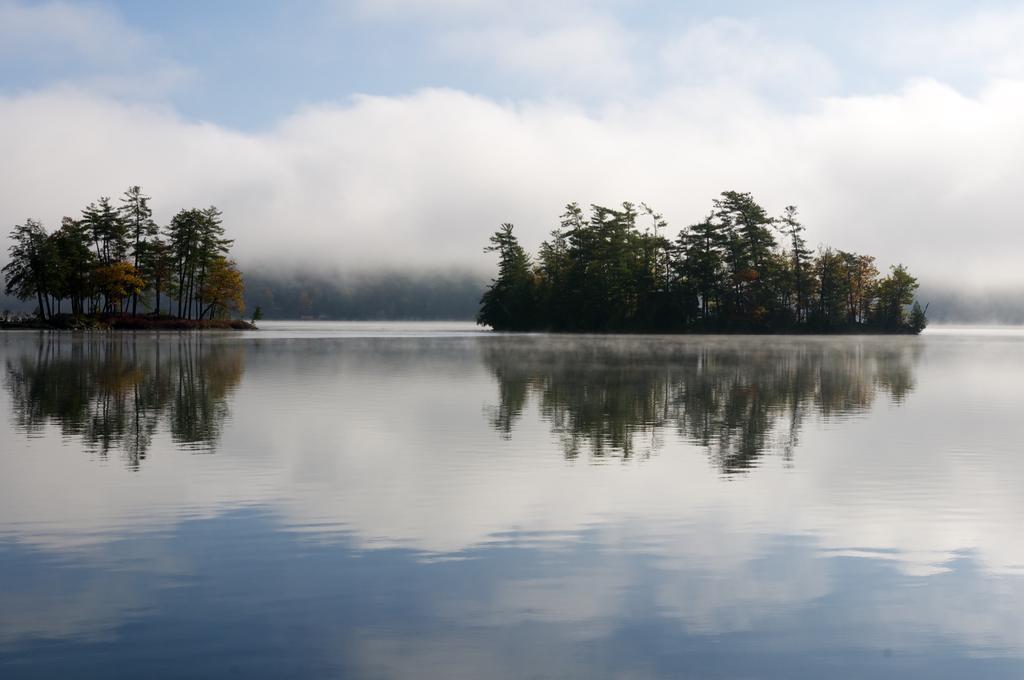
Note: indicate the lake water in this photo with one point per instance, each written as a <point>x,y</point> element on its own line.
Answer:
<point>429,501</point>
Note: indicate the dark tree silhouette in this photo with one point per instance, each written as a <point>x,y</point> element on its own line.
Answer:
<point>726,273</point>
<point>113,259</point>
<point>508,302</point>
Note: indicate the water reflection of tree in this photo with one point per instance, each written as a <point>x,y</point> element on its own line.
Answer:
<point>115,393</point>
<point>737,398</point>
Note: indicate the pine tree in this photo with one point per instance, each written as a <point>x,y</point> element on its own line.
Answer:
<point>196,239</point>
<point>75,259</point>
<point>830,310</point>
<point>108,231</point>
<point>183,235</point>
<point>138,219</point>
<point>211,247</point>
<point>918,318</point>
<point>156,266</point>
<point>702,266</point>
<point>895,292</point>
<point>800,258</point>
<point>507,304</point>
<point>27,273</point>
<point>750,248</point>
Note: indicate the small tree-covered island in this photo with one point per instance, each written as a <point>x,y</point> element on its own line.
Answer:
<point>116,268</point>
<point>737,271</point>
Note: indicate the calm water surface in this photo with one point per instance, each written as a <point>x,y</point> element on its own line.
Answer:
<point>428,501</point>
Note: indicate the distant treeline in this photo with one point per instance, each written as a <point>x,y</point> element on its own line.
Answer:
<point>384,295</point>
<point>964,305</point>
<point>738,270</point>
<point>117,260</point>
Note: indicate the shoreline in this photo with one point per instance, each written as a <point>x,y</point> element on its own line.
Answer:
<point>127,322</point>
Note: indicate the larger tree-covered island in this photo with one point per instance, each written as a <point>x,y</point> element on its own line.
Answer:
<point>114,267</point>
<point>738,270</point>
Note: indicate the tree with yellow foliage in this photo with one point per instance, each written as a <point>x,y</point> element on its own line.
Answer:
<point>117,282</point>
<point>222,289</point>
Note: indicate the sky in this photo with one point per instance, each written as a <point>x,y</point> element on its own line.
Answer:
<point>370,134</point>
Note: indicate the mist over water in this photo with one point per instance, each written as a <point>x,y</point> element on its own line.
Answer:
<point>429,500</point>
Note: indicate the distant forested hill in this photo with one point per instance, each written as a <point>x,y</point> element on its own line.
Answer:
<point>953,306</point>
<point>384,295</point>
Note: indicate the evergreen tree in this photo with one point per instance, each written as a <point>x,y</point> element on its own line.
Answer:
<point>702,265</point>
<point>74,259</point>
<point>653,275</point>
<point>107,229</point>
<point>212,247</point>
<point>183,234</point>
<point>726,273</point>
<point>554,267</point>
<point>196,239</point>
<point>138,219</point>
<point>157,267</point>
<point>895,292</point>
<point>507,303</point>
<point>28,272</point>
<point>614,265</point>
<point>750,247</point>
<point>800,257</point>
<point>918,321</point>
<point>860,276</point>
<point>830,310</point>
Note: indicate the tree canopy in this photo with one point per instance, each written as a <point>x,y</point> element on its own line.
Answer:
<point>737,270</point>
<point>114,258</point>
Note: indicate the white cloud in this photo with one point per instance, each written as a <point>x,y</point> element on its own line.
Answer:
<point>927,176</point>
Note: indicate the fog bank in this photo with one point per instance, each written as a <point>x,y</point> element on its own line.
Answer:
<point>926,177</point>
